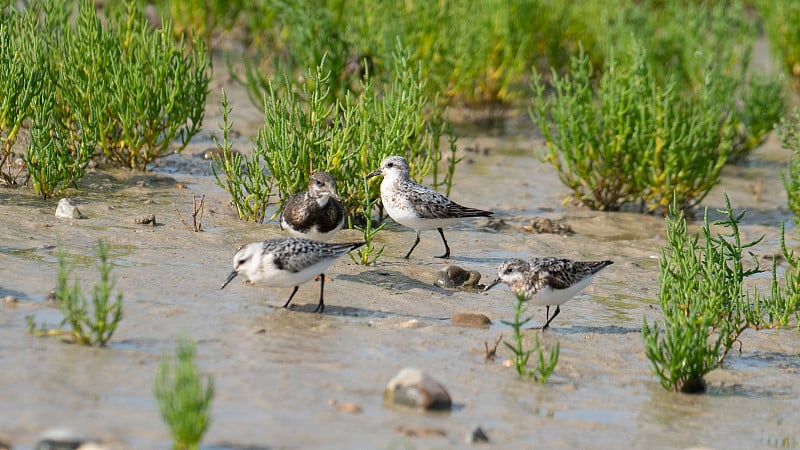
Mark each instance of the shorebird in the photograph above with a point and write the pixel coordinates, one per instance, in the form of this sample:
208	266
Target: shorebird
287	262
316	213
418	207
547	281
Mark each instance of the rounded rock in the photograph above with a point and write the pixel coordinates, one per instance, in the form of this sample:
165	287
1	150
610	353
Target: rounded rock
146	219
471	320
454	277
66	210
66	439
413	389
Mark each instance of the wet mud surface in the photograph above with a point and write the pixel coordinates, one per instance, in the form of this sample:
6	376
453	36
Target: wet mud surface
280	373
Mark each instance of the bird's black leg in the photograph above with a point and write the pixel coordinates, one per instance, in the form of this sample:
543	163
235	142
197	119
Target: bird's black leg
413	246
558	310
321	305
294	291
446	247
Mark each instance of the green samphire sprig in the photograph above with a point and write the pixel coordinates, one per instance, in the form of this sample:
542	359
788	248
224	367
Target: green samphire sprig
184	397
704	304
87	326
545	364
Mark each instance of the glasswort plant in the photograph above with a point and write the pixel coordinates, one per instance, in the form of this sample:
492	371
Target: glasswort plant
184	397
142	90
57	155
94	327
789	132
245	177
703	301
21	79
367	254
600	137
545	365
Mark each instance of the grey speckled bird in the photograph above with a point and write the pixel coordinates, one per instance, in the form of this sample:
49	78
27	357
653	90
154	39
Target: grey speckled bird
547	281
418	207
287	262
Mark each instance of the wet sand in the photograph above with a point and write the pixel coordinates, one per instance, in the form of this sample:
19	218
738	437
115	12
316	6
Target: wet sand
276	370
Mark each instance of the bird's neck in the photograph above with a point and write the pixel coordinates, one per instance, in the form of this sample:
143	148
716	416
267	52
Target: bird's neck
322	199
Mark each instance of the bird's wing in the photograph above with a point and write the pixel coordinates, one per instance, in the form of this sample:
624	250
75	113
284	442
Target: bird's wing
294	255
428	203
558	273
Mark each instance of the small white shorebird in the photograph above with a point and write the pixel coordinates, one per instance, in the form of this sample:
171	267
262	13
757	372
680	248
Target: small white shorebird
418	207
287	262
547	281
316	213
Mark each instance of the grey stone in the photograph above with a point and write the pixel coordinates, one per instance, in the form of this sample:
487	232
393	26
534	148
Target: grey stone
454	277
66	210
66	439
413	389
476	436
146	219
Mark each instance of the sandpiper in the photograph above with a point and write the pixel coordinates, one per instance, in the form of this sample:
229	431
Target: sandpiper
287	262
316	213
547	281
418	207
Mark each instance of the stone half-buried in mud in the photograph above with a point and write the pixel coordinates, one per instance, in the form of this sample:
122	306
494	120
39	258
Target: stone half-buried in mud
413	389
454	277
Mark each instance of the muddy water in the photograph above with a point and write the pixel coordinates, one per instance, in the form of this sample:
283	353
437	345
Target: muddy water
276	370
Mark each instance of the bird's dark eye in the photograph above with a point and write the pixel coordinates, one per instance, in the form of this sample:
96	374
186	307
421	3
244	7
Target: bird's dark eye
509	270
390	165
319	182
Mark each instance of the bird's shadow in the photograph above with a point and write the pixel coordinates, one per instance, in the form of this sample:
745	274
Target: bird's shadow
609	329
334	310
394	280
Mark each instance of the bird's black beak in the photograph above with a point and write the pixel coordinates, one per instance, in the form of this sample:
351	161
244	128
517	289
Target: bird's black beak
231	276
491	285
374	173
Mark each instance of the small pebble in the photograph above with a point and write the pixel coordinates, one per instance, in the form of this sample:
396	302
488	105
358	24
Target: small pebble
66	210
545	225
10	300
414	389
344	407
421	431
413	323
147	219
66	439
471	320
52	298
476	436
216	152
454	277
497	224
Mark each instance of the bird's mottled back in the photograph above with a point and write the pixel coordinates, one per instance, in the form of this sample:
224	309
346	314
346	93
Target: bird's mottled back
295	254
